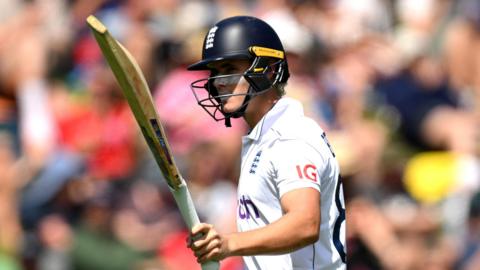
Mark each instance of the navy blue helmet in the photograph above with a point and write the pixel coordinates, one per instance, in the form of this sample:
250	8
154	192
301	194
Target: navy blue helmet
241	37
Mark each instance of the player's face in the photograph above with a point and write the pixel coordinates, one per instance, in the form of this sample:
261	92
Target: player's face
235	86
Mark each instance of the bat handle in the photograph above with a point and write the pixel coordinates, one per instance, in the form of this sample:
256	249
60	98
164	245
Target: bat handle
187	209
211	265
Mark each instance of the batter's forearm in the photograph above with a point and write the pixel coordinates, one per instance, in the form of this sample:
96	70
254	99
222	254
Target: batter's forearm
293	231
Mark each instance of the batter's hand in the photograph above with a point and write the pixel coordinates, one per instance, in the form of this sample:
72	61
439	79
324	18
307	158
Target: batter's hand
206	243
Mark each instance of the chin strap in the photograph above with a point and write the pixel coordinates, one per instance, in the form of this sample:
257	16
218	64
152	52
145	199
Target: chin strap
228	123
241	111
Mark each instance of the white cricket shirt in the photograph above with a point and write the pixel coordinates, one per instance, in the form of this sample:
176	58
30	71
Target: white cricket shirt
285	151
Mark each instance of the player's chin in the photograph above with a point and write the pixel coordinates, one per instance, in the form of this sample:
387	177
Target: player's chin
230	107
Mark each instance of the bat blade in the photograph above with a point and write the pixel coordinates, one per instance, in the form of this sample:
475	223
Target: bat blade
135	89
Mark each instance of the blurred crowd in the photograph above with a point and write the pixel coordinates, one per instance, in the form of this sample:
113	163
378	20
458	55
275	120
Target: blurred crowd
395	84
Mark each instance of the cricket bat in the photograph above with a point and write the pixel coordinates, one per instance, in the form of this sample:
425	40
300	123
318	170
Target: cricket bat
135	89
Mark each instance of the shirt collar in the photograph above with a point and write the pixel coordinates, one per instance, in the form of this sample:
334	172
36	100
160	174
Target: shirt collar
284	106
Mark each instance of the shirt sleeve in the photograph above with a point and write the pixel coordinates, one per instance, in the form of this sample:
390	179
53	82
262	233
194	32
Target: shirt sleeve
297	165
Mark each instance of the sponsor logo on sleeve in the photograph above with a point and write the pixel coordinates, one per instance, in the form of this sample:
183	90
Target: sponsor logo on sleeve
308	171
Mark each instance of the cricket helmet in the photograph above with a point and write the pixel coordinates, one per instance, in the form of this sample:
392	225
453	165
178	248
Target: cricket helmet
241	37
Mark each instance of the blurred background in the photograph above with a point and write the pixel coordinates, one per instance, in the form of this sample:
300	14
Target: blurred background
395	84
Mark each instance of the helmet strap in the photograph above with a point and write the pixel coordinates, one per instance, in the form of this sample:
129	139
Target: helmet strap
240	111
228	123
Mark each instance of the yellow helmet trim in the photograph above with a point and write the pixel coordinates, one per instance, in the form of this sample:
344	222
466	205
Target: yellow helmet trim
262	51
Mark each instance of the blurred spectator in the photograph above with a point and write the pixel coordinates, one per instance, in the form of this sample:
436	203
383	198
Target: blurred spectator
425	101
409	239
55	235
423	94
10	230
103	130
144	216
470	256
93	240
461	53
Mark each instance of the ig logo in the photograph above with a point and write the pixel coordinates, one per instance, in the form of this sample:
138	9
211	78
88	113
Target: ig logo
308	171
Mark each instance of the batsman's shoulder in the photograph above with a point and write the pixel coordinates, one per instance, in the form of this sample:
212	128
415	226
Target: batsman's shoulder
303	128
